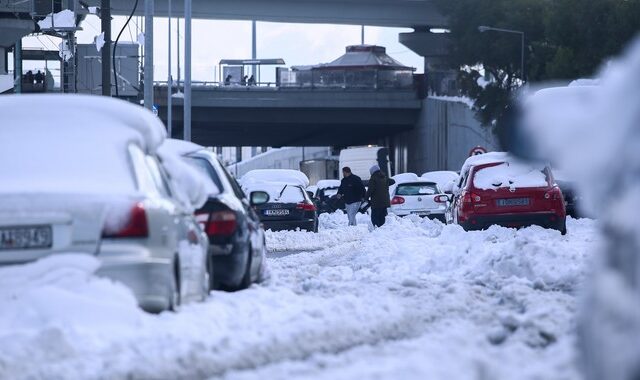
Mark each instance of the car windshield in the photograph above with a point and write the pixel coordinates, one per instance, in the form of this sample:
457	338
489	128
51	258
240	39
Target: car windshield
205	168
510	174
417	189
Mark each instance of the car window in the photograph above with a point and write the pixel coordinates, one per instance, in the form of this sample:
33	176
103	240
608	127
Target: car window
204	167
416	189
234	184
159	180
144	179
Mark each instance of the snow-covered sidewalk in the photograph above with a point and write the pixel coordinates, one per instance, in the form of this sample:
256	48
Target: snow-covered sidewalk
411	300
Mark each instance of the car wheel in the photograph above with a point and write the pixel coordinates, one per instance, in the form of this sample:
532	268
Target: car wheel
246	279
175	301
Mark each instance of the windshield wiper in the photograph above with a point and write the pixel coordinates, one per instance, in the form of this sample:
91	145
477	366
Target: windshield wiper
282	191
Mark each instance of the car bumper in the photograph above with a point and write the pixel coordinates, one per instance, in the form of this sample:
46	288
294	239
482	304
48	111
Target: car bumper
149	279
290	225
545	219
431	214
229	262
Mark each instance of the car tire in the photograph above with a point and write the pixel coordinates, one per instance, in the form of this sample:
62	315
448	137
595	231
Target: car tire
175	296
246	279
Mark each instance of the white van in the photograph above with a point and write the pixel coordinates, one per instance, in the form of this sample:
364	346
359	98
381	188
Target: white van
361	159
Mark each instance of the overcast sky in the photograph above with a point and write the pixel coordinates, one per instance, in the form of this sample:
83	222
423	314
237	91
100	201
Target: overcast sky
297	44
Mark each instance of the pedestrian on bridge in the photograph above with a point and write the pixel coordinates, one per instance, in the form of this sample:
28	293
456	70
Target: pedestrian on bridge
352	191
378	195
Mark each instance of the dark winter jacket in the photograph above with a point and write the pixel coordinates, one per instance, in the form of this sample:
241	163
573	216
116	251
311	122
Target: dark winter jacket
378	193
352	189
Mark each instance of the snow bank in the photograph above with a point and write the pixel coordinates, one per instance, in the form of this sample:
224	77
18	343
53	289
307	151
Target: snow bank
592	133
426	300
458	99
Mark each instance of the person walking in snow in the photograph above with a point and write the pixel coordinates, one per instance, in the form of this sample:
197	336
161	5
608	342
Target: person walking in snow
352	191
378	195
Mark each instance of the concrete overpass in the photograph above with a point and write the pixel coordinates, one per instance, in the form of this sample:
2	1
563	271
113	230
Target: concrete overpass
293	117
388	13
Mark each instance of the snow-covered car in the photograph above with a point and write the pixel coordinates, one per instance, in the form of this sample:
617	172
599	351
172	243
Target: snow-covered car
286	207
87	179
237	250
445	179
411	195
496	188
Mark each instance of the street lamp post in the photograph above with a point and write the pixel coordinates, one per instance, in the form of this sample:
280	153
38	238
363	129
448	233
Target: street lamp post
483	28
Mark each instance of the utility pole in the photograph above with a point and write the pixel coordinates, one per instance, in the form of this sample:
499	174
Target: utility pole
169	80
254	50
362	35
149	10
187	70
17	66
105	23
178	49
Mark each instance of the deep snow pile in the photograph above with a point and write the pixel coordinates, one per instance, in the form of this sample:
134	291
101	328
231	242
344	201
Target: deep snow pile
413	299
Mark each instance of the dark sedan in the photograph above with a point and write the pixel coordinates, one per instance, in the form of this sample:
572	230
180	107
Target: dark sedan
237	242
288	207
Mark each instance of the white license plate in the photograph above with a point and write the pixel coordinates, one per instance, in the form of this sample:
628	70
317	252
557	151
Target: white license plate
421	213
28	237
276	212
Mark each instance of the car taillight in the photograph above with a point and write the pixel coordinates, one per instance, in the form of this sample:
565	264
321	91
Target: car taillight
136	225
306	206
554	194
470	198
397	200
218	223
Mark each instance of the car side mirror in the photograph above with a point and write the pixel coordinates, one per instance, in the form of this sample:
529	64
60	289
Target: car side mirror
310	194
441	198
257	198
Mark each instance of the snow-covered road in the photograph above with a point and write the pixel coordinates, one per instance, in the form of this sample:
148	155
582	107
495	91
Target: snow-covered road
411	300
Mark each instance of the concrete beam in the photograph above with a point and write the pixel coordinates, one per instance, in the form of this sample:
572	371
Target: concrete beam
388	13
13	29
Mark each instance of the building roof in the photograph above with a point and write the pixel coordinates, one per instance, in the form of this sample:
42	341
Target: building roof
364	56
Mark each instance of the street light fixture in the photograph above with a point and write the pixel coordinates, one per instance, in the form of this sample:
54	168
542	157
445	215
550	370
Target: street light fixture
484	28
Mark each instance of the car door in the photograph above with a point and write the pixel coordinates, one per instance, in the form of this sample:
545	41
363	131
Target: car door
192	243
257	238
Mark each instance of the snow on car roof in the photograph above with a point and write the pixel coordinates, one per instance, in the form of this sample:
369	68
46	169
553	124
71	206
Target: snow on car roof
486	158
327	183
72	144
405	177
96	112
276	175
180	147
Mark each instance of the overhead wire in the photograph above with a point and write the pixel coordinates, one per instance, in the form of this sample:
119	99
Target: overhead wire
115	45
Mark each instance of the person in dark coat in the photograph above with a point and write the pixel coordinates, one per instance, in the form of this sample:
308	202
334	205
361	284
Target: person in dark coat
352	191
378	195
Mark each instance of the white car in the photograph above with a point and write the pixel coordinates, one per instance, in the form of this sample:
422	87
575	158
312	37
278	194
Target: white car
80	174
420	198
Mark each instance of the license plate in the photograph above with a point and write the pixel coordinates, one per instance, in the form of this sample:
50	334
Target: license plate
32	237
513	202
420	213
276	212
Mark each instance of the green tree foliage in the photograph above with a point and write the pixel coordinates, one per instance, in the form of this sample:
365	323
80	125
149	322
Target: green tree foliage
565	39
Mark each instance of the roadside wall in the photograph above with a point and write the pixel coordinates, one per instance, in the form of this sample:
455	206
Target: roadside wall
445	133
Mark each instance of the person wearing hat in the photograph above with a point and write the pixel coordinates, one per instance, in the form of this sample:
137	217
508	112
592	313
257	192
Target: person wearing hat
378	195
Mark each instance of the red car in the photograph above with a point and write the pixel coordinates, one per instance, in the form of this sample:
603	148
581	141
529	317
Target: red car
497	189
